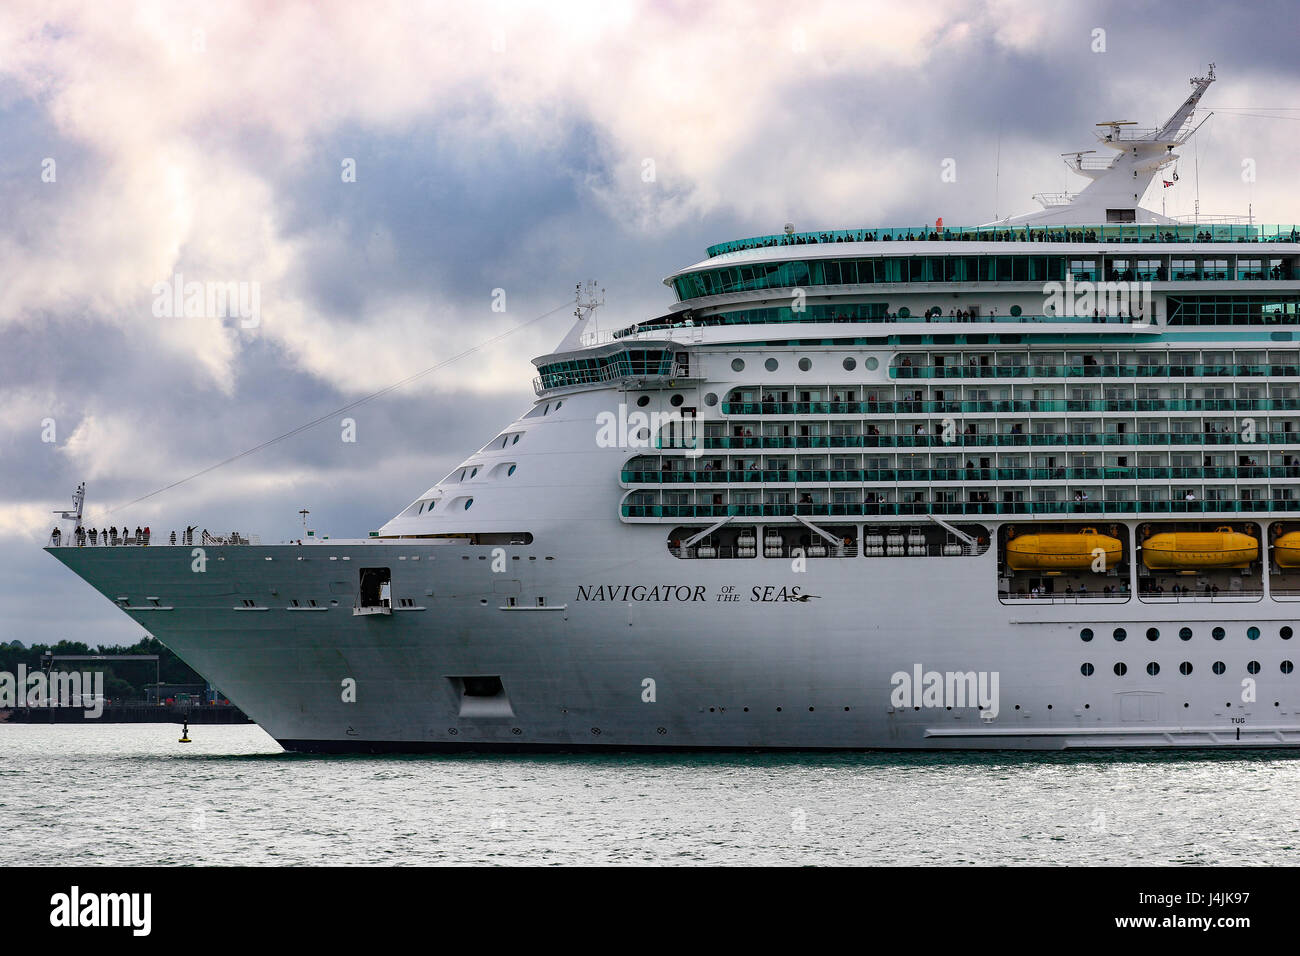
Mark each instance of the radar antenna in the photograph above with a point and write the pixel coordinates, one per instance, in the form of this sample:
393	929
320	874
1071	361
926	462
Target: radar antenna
1078	155
587	299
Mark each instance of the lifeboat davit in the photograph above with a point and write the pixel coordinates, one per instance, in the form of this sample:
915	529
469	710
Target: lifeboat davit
1062	551
1179	550
1286	550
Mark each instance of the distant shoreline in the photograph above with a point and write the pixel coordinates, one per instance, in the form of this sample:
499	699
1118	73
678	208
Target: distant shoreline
128	713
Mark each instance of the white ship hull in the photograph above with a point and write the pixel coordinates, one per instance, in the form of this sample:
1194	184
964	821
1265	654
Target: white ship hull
769	674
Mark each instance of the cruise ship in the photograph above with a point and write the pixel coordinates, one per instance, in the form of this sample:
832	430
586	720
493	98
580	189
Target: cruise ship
1024	485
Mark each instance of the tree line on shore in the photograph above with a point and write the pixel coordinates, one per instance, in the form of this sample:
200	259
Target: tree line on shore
123	681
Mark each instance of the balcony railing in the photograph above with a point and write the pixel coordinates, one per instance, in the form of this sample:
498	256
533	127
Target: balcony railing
897	509
1092	371
111	538
906	475
994	441
906	407
1111	233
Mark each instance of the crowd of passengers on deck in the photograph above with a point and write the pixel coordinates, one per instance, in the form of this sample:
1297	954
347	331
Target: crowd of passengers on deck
110	537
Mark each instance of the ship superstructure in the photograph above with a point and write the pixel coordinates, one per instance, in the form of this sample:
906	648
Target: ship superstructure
1024	485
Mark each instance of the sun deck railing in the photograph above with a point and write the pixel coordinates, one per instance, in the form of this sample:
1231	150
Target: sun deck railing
1111	233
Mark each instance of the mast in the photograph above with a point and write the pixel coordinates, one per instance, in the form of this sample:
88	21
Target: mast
1117	186
78	502
587	298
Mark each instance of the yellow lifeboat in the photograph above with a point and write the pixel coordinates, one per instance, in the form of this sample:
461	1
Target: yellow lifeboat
1286	550
1062	551
1178	550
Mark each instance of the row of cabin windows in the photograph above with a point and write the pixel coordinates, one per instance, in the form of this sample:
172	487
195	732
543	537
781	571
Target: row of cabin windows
876	270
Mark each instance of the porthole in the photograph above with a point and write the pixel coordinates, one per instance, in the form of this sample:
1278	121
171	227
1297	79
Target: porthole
1286	667
1153	634
1185	668
1121	669
557	405
1285	633
1153	668
850	364
1217	633
547	409
515	441
805	364
676	400
1252	633
1015	310
643	401
1219	667
904	313
473	473
1086	670
1120	634
1185	634
871	364
510	471
737	365
1252	667
771	365
711	399
1086	634
468	502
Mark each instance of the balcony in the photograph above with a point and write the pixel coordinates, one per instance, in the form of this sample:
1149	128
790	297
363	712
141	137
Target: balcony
921	509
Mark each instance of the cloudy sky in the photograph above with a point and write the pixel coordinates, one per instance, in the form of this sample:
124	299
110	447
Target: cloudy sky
520	147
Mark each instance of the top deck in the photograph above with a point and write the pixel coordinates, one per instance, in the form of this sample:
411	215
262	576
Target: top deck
1111	233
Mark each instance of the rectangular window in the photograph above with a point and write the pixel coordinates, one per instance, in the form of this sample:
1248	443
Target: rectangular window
1084	270
1149	270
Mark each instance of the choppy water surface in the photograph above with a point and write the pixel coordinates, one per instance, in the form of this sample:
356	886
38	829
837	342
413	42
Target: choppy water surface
130	794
